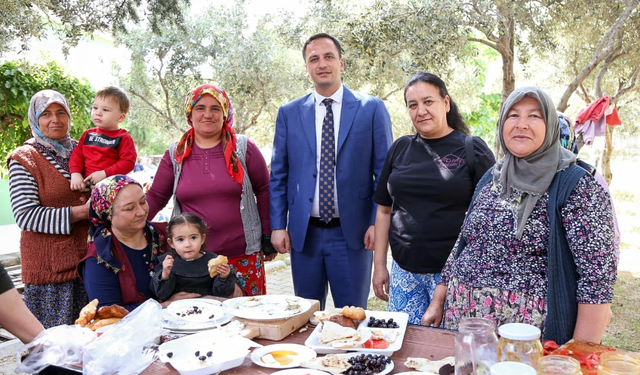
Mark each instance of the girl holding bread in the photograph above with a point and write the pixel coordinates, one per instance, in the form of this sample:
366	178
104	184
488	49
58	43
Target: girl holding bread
189	268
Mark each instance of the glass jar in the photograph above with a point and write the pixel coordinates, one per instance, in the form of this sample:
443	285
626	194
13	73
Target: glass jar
613	363
558	365
519	343
476	346
512	368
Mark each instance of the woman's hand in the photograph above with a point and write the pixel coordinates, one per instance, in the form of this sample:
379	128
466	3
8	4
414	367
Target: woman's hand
268	258
435	311
167	265
381	283
223	270
79	213
179	296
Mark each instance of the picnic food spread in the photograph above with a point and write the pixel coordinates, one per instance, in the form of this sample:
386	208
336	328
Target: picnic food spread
349	341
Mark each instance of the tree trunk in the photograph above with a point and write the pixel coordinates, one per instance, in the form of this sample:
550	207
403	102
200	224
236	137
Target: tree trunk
507	51
605	171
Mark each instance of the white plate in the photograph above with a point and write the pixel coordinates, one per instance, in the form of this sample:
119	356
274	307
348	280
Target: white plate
386	370
300	371
176	323
304	354
313	341
269	307
206	311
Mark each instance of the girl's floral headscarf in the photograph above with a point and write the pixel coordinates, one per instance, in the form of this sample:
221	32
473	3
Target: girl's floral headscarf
567	135
59	149
100	213
228	134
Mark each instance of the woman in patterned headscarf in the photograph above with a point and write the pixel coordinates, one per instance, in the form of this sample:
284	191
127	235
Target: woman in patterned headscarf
52	217
536	245
123	245
223	178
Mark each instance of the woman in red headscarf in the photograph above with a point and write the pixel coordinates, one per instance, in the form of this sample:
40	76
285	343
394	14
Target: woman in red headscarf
223	178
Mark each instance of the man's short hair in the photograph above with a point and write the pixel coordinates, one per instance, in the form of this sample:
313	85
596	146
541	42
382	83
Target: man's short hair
320	36
115	93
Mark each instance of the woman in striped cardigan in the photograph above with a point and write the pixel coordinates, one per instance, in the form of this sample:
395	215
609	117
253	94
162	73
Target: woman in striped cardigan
52	217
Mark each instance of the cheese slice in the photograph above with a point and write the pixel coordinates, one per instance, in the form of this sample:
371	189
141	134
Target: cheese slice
427	365
334	332
333	363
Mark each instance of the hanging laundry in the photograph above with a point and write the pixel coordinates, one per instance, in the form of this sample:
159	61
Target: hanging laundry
591	120
612	116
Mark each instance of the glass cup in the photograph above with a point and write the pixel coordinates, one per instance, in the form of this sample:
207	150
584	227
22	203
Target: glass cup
476	347
614	363
558	365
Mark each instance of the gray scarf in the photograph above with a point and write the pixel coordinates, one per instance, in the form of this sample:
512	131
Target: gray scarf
531	176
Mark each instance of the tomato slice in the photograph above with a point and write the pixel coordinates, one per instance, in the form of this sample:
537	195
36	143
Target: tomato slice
376	344
550	345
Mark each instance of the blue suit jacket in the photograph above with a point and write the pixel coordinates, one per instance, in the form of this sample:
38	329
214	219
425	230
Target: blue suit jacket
363	141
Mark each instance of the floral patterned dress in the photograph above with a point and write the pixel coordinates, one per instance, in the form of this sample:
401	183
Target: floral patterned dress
499	277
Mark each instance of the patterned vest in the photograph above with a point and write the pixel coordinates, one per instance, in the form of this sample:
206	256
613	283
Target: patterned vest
50	258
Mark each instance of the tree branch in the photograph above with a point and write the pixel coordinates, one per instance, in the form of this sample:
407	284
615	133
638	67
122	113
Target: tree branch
486	42
602	51
629	86
155	109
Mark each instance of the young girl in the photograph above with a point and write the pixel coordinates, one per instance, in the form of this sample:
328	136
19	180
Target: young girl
185	269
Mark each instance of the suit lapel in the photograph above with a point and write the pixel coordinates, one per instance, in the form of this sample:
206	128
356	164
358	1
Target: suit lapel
350	106
308	121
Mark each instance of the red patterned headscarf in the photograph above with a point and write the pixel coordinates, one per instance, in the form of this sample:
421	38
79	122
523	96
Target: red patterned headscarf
228	134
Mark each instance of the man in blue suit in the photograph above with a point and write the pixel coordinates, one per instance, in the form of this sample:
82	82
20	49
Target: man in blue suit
328	152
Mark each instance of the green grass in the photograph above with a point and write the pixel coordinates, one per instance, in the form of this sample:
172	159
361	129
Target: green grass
376	304
624	329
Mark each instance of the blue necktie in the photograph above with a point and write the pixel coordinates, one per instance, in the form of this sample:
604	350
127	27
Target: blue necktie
327	163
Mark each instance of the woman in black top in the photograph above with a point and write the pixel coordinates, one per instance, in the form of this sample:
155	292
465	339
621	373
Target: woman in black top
424	189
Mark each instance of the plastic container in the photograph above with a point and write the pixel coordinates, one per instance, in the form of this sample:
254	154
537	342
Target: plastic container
558	365
476	347
217	351
519	343
612	363
512	368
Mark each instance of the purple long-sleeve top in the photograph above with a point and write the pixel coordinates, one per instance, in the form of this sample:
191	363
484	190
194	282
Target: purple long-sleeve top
207	190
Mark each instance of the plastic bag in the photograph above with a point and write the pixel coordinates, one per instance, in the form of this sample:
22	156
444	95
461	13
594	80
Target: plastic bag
126	348
57	346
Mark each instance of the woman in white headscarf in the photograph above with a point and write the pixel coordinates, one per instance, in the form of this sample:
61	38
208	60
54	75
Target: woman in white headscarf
53	218
536	245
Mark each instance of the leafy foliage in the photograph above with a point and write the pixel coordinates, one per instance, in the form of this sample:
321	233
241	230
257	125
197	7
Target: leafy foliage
255	68
72	19
19	80
483	120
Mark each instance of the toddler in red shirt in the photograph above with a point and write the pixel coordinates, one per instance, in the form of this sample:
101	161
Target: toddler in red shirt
105	150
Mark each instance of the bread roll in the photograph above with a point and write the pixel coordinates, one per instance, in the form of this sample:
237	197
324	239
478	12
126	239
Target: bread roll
113	311
355	313
104	322
214	263
87	313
